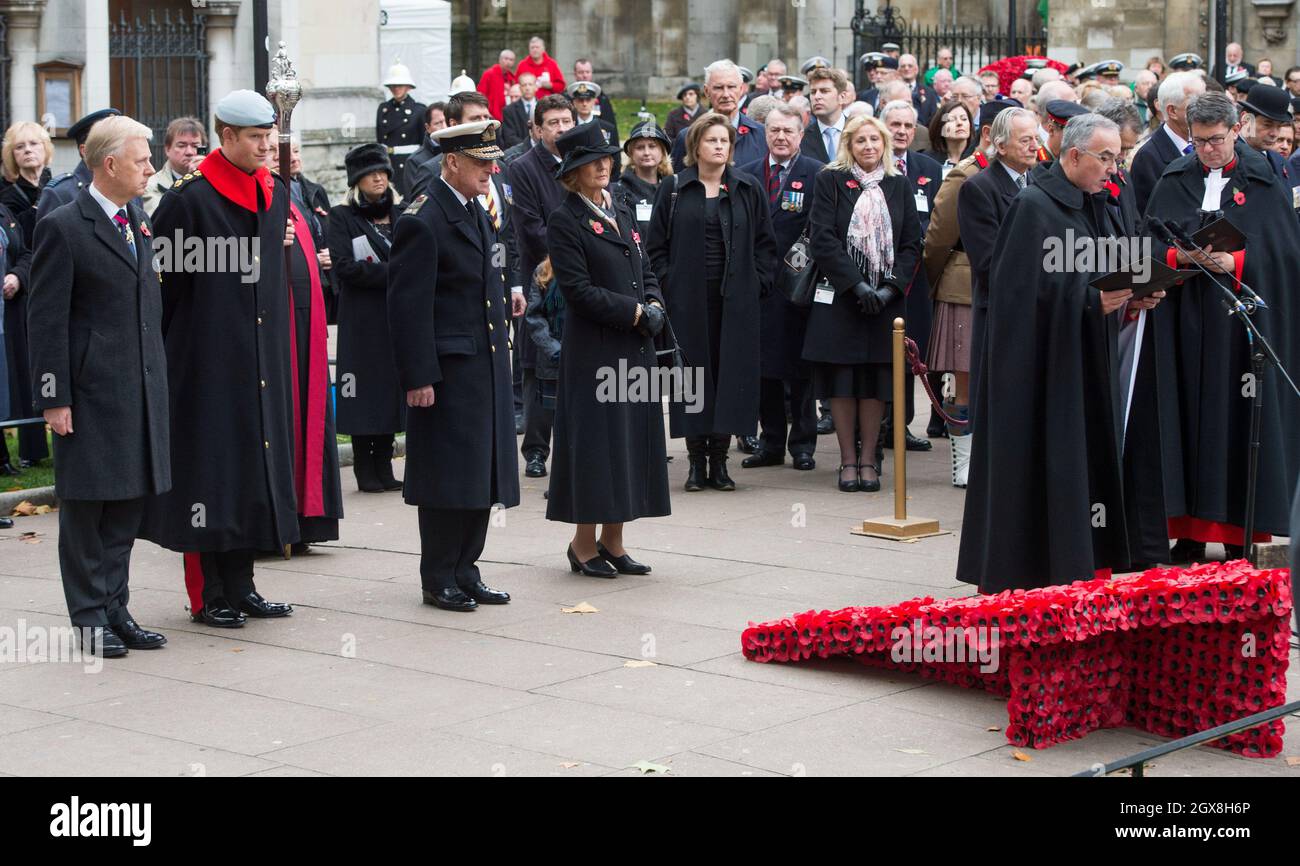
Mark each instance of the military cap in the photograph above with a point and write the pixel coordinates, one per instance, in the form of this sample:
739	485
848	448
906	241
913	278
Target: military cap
81	129
815	62
1107	67
793	82
477	139
583	90
891	46
994	107
245	108
690	85
1059	111
876	60
1186	61
746	74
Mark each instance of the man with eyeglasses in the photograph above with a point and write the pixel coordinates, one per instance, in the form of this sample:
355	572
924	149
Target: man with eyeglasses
1216	380
1169	141
1292	80
1051	352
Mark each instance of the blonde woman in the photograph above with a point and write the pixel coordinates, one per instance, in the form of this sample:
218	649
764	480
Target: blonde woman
647	148
26	153
866	239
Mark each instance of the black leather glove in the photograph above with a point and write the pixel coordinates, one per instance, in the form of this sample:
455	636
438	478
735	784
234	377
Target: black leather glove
862	291
877	299
652	320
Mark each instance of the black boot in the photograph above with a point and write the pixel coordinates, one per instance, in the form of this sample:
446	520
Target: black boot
383	454
363	465
718	477
695	472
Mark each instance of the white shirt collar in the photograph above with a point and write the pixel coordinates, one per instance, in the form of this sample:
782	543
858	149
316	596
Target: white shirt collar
460	198
1179	142
837	125
773	162
1015	175
110	209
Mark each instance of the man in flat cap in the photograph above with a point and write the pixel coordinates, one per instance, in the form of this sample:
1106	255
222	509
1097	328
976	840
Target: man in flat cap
226	326
584	95
64	188
449	315
399	122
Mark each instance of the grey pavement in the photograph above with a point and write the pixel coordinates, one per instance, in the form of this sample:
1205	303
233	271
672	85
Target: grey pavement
363	679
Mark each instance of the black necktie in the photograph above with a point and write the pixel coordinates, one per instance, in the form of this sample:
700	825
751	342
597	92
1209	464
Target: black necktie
472	208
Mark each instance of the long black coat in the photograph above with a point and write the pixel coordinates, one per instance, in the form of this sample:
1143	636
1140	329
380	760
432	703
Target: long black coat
535	194
676	248
839	333
371	402
450	320
1149	163
784	324
925	175
630	191
228	372
95	322
609	461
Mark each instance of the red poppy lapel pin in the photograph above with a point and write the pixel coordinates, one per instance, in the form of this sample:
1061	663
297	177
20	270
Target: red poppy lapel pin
1239	197
922	180
144	229
597	227
723	187
636	237
796	184
851	184
743	130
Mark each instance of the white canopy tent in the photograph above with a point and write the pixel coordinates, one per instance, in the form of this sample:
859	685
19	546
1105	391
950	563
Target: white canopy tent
417	33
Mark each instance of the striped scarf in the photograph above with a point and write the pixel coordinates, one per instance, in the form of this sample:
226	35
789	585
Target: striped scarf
871	232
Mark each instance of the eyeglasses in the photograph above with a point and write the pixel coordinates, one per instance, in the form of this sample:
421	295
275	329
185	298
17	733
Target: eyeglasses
1214	140
1105	157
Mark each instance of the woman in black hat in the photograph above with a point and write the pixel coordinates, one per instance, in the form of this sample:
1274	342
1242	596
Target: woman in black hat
714	253
609	463
371	402
648	147
681	116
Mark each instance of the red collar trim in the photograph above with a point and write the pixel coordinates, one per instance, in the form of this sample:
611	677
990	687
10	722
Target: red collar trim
236	184
1205	169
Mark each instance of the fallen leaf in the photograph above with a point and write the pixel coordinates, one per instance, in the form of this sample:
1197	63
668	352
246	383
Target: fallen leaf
1020	756
43	509
993	728
569	765
23	509
30	538
646	767
912	751
1292	761
581	607
634	663
237	650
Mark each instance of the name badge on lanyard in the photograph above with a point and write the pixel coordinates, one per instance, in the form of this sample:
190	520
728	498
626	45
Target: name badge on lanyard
824	296
922	203
643	209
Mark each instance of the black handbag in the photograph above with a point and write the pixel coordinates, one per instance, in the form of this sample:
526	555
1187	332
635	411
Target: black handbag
668	352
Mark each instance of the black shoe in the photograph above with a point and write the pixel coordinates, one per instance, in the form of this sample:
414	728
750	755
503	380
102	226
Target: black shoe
868	486
1185	551
137	638
384	468
451	598
6	523
302	548
625	564
536	467
937	429
594	567
695	475
914	443
762	458
256	606
718	477
363	466
825	425
519	423
804	462
1234	551
219	614
101	641
747	444
484	594
853	485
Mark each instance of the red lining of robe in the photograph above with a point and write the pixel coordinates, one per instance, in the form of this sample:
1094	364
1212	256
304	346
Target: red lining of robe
309	459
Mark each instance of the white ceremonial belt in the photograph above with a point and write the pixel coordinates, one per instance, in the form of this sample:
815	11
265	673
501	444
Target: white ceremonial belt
404	149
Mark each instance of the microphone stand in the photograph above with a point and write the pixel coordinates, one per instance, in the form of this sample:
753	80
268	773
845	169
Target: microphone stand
1261	353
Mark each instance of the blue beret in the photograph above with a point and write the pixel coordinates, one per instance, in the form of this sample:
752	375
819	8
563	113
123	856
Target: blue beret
245	108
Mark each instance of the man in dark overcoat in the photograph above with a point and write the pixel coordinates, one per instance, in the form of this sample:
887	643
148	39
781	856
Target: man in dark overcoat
449	314
99	372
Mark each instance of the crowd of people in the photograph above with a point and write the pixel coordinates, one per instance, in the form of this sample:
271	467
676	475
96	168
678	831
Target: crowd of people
497	253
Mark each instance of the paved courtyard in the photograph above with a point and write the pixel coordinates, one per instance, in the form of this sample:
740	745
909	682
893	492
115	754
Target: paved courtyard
365	680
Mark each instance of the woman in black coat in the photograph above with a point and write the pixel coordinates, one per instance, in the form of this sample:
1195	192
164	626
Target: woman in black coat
866	239
714	253
609	463
371	402
16	257
647	147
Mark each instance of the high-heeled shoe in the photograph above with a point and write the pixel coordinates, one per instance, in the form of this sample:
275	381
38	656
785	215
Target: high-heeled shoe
625	564
868	486
594	567
854	484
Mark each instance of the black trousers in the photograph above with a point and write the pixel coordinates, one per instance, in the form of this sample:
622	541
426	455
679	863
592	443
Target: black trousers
802	430
95	541
517	365
537	420
451	541
227	575
714	445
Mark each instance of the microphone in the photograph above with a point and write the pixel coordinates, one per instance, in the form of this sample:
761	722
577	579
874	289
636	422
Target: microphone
1168	233
1184	240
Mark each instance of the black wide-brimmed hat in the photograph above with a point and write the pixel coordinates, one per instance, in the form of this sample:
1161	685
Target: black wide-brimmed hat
648	129
583	144
364	159
1271	102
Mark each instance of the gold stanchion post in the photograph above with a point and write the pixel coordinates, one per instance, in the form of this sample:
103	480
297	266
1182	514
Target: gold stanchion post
900	527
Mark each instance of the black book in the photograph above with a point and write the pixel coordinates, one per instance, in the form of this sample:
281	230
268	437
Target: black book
1159	277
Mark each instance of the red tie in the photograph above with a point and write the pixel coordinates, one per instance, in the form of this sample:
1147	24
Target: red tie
774	183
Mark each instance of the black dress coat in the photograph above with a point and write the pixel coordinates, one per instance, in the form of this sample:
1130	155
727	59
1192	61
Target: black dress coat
783	324
1149	163
514	124
95	322
676	248
371	402
925	176
839	333
630	191
535	194
450	320
400	124
608	461
18	219
677	120
228	370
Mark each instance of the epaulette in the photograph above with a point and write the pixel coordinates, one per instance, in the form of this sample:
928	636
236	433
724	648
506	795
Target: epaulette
60	179
414	207
187	178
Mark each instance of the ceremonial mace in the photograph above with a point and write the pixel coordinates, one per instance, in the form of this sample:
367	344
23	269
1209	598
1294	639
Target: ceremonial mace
284	91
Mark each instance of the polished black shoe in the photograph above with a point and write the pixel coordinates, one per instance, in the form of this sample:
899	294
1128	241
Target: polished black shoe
762	458
625	564
6	523
718	477
451	598
868	485
363	467
484	594
594	567
696	475
101	641
1185	550
804	462
137	638
853	485
747	444
914	443
536	467
825	425
256	606
219	614
937	429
